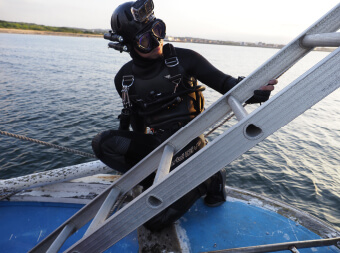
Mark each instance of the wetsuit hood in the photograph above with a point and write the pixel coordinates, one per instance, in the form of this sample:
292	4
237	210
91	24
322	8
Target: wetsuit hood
145	67
139	60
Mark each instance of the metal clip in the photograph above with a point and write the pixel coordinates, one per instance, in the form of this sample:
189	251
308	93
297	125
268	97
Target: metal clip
127	79
126	84
171	62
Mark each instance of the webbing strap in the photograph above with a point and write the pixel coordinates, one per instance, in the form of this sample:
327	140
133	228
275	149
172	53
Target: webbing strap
172	62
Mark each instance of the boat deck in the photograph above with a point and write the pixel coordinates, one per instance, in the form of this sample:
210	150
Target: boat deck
246	219
239	224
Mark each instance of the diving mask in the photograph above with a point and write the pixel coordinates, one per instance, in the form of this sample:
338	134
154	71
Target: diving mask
150	39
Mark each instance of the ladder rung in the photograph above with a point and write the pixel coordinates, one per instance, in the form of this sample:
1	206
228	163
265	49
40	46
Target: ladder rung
282	246
237	108
321	40
104	211
293	249
62	237
165	163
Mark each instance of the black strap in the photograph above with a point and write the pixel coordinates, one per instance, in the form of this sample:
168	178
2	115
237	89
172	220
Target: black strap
172	62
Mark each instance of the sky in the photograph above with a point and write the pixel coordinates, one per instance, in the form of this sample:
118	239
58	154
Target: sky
269	21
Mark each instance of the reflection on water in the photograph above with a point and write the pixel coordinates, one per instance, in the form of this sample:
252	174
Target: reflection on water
61	90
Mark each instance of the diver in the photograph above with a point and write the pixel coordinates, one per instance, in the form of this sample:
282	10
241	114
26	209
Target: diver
160	94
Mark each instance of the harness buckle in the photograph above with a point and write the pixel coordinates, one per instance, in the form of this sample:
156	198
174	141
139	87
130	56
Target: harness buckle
171	62
128	79
126	84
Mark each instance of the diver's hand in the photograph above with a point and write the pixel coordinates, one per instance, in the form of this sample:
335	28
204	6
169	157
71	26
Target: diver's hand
263	94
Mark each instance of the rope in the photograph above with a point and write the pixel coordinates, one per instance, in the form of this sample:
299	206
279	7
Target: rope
21	137
221	124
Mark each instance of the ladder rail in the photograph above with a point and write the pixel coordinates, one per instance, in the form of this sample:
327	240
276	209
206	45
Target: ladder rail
271	69
282	246
320	81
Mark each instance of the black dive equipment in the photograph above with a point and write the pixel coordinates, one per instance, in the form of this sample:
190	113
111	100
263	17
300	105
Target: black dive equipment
170	98
119	47
113	37
124	119
116	38
125	116
142	9
134	24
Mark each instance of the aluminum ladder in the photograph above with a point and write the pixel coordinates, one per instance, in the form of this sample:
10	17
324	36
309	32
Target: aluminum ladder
292	246
251	129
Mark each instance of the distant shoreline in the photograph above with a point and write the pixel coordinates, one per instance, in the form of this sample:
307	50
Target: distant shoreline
37	32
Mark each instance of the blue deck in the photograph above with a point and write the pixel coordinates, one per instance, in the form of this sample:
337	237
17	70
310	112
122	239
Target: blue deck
234	224
238	224
25	224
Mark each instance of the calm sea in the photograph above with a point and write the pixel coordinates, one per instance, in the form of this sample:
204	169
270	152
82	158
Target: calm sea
61	90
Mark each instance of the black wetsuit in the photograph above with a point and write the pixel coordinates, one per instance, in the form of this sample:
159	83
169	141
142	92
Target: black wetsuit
194	64
121	150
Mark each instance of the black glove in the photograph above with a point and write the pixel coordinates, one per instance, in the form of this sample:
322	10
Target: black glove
260	96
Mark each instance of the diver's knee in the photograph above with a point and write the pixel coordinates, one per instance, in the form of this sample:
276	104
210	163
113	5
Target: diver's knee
98	140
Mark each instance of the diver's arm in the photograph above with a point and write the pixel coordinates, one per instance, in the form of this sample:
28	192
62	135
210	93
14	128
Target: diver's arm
205	72
199	67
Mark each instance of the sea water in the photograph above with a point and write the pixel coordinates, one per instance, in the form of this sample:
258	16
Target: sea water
61	90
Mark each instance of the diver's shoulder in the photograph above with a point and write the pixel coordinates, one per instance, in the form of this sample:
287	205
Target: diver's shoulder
181	50
126	66
126	69
187	53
